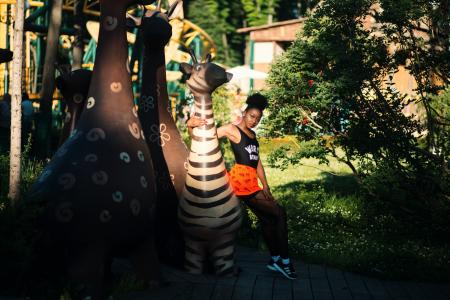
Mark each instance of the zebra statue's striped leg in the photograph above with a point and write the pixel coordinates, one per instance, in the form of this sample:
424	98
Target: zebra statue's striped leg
195	255
222	255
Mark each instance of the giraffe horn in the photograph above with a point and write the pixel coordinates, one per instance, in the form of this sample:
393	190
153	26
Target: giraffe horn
194	58
172	8
158	7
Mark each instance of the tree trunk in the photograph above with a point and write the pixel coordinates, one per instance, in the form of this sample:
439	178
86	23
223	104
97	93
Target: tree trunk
48	81
78	45
16	100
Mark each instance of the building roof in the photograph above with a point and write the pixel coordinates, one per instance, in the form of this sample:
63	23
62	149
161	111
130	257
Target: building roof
284	31
267	26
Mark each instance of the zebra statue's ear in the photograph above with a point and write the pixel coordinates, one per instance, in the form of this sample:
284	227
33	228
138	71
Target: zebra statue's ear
133	22
186	69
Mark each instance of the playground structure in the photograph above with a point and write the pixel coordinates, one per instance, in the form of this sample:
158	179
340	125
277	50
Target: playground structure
185	35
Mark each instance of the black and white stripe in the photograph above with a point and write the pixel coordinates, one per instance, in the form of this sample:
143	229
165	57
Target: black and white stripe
209	212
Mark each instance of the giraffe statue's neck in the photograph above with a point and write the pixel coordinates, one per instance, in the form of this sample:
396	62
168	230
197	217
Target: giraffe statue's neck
110	90
154	82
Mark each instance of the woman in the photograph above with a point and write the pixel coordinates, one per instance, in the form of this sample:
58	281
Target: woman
244	179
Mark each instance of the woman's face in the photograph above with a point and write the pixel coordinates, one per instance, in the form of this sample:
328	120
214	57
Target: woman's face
251	117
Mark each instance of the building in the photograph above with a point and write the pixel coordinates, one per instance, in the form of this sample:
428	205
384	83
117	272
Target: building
266	42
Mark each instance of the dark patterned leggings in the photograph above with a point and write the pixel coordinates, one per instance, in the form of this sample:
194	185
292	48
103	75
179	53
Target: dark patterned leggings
272	217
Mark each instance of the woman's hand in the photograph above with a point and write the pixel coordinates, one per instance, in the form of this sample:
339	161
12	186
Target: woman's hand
267	193
196	122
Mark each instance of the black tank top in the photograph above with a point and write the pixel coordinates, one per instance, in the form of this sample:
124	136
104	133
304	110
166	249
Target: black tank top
246	152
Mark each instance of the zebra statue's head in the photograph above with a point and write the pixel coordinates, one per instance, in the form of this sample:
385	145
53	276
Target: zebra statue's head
204	77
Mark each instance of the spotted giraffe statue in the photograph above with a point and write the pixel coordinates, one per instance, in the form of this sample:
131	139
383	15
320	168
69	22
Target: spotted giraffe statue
98	190
168	151
74	87
209	212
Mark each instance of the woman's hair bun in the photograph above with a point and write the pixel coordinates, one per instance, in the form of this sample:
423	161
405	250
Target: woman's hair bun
257	100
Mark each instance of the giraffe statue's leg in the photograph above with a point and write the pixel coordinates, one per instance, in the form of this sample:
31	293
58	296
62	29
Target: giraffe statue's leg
146	264
195	256
86	267
222	255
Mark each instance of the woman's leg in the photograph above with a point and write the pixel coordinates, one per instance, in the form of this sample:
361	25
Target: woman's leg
273	222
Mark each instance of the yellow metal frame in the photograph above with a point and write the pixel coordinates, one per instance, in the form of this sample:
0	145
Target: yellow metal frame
32	3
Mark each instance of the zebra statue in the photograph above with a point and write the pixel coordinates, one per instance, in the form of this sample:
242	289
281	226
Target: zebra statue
209	213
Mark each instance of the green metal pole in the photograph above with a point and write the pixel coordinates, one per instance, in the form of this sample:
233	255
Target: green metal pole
40	45
197	47
252	58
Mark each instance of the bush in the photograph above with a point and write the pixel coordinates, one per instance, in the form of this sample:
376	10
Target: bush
17	227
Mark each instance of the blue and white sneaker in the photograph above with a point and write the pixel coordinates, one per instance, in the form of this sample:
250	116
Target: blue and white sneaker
287	270
271	265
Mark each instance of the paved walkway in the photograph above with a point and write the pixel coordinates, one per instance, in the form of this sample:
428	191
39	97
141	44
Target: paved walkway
315	282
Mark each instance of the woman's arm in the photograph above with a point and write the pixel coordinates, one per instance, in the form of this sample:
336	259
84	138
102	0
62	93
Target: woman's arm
230	131
262	177
227	130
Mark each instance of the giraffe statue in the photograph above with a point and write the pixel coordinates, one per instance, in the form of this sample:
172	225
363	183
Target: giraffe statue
98	193
209	212
167	149
74	87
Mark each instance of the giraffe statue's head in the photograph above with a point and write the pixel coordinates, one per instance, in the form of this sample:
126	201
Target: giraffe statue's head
127	3
74	85
155	26
204	77
5	55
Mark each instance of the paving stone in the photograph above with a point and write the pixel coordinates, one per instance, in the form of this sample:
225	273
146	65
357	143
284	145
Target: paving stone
282	289
395	290
375	287
302	269
263	289
359	296
320	285
223	289
414	291
334	274
302	289
340	289
243	289
356	284
317	271
201	291
434	291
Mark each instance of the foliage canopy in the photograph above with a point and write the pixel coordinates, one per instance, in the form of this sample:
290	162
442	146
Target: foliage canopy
335	90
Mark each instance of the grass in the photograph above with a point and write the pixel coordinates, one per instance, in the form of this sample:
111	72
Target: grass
331	221
16	227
